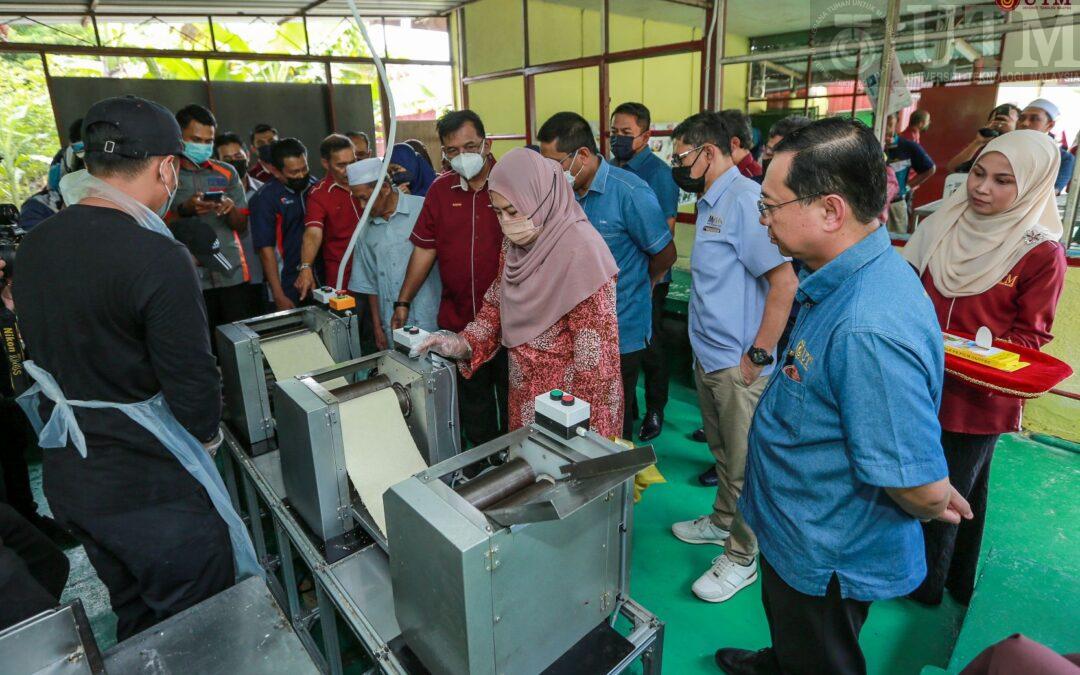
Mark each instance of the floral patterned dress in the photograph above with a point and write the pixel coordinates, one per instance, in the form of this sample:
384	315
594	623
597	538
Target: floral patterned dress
578	354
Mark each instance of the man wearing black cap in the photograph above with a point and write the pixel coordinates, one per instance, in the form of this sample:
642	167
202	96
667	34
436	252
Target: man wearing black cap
111	309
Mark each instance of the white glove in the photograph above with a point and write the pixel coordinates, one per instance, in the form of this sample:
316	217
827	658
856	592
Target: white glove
212	446
448	344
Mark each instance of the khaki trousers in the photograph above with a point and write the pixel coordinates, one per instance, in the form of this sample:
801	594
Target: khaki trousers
727	407
898	217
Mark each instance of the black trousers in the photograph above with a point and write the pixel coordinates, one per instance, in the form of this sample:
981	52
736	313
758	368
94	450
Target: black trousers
156	560
654	364
15	435
229	304
630	366
482	401
810	634
33	571
952	551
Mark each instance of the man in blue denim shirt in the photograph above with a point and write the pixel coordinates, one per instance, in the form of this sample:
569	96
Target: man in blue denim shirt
623	208
630	133
845	454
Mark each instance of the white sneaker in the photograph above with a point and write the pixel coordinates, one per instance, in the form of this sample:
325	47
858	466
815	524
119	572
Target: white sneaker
724	579
700	531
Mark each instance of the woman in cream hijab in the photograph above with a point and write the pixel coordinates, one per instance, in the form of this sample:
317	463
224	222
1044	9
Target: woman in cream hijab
988	257
552	305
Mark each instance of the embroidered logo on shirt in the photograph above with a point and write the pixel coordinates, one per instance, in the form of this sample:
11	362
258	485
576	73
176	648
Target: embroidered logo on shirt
803	355
455	203
1009	280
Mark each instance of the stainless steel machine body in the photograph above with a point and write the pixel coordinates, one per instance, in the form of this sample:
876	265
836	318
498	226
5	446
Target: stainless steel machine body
512	586
310	435
247	379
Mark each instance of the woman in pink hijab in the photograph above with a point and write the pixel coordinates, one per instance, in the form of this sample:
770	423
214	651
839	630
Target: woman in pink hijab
552	305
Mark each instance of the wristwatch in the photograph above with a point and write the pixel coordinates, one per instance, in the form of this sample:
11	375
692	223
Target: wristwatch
759	357
402	303
303	266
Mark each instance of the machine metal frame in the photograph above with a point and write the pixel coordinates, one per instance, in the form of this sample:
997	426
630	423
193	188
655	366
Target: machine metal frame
355	590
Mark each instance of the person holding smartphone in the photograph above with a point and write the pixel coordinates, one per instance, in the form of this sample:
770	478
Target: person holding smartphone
211	192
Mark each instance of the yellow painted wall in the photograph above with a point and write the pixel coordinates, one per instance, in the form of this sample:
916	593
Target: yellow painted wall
574	90
669	86
1052	414
501	104
733	94
493	36
561	31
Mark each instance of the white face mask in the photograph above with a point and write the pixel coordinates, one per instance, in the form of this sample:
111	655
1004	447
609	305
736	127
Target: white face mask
570	175
171	193
468	164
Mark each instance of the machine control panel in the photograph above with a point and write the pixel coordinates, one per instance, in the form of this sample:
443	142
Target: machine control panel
407	337
323	294
562	412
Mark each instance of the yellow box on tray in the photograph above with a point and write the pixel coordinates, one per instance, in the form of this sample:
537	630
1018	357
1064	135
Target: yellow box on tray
994	357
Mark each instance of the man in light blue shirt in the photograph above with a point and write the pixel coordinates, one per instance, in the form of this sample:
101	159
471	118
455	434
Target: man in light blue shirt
740	298
383	250
623	208
845	453
630	133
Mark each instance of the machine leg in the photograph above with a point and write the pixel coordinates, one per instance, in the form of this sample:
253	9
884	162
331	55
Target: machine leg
257	534
653	658
229	471
289	571
329	630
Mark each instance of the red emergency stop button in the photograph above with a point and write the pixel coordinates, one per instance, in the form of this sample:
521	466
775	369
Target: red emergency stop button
567	400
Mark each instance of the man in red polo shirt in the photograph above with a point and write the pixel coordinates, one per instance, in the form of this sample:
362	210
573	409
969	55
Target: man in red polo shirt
458	228
741	143
331	217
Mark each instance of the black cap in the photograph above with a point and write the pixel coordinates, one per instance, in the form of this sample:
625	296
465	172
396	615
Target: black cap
147	129
203	243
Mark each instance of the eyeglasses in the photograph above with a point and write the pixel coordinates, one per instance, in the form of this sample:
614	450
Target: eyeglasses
764	208
676	160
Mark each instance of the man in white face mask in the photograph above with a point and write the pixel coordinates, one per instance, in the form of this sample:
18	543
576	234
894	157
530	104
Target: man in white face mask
458	228
111	311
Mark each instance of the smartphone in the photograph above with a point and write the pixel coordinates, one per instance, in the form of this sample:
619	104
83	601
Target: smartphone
213	196
987	132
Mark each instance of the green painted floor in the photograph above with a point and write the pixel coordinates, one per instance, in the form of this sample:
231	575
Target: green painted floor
1030	531
1033	510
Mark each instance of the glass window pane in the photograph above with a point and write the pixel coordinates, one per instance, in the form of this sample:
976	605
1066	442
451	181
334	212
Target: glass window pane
337	36
51	30
266	71
154	33
146	67
569	90
263	35
493	36
562	30
425	38
421	92
363	73
27	127
634	24
500	104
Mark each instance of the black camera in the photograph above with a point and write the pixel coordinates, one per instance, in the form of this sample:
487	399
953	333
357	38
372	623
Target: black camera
987	132
10	236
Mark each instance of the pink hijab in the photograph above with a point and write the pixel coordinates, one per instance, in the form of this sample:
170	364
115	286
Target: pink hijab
566	264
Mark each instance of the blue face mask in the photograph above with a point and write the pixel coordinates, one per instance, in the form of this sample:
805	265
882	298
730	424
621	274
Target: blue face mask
622	147
198	152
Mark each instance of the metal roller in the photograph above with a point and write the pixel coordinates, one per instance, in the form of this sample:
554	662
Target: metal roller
370	386
498	484
525	495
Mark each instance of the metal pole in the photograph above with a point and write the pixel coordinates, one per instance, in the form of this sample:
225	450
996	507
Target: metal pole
97	35
719	47
1069	220
52	100
213	37
855	84
331	112
888	50
209	90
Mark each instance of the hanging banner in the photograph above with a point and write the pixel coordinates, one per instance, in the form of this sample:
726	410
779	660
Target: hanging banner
899	95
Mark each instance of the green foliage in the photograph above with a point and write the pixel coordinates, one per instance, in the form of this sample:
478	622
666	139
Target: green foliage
27	131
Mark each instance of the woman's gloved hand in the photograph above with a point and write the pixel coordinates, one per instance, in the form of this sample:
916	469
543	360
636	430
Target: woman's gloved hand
445	343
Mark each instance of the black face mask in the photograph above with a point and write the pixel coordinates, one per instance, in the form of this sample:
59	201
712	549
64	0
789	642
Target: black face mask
299	184
681	176
241	166
264	153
